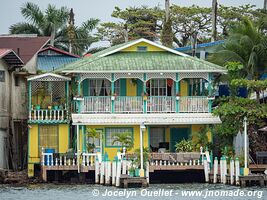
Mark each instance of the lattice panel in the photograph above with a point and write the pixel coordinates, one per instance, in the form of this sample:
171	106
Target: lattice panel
165	75
129	75
49	79
184	75
50	91
96	76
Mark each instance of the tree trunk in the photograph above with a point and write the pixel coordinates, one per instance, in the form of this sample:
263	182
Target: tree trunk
214	20
53	35
167	10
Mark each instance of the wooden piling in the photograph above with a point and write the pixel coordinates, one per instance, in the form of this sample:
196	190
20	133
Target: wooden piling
206	170
215	170
221	170
232	171
96	170
114	166
237	171
118	173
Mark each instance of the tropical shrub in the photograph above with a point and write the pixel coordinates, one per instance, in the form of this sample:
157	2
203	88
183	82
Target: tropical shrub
184	146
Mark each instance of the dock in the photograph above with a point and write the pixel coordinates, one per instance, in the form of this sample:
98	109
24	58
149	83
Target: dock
126	180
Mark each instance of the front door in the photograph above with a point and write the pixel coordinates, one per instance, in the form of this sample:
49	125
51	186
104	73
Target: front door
177	135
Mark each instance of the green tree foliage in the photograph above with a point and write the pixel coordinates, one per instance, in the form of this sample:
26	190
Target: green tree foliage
246	44
124	139
232	112
52	22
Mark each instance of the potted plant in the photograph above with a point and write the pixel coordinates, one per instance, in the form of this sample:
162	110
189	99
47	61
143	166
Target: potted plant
144	94
177	96
113	96
137	159
184	146
131	171
55	105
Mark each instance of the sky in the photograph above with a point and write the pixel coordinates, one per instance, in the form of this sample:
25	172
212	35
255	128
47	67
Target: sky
102	9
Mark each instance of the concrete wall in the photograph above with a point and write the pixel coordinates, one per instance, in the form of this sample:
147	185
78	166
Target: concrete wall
3	149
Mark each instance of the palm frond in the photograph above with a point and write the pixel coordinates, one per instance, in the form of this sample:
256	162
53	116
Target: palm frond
24	28
33	13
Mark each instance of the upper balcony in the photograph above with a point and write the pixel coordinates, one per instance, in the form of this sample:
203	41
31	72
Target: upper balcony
145	104
159	94
48	99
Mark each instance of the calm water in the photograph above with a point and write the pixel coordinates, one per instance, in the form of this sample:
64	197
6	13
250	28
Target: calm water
158	191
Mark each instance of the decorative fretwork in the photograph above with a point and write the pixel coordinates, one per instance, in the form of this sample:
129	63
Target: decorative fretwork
129	75
184	75
165	75
49	77
95	76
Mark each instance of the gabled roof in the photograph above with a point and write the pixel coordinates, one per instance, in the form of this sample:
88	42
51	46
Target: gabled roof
60	51
119	59
51	58
48	77
25	46
10	57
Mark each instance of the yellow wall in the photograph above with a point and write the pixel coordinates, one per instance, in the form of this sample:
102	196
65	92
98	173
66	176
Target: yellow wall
131	88
112	151
33	144
63	140
149	47
184	88
63	134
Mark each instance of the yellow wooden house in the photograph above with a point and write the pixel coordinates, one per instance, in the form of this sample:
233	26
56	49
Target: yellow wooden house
156	94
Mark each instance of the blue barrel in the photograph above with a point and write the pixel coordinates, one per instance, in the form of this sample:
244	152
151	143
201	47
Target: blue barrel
46	157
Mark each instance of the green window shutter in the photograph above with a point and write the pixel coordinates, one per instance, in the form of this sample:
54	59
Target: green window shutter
139	87
123	87
85	86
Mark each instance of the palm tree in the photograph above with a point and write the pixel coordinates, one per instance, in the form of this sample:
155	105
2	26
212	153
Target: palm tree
124	139
53	23
246	44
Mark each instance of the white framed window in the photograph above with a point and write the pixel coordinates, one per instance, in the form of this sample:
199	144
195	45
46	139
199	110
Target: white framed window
110	132
157	135
96	141
102	87
158	87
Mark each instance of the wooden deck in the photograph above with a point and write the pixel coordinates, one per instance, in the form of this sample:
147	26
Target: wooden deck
125	180
260	180
258	167
153	168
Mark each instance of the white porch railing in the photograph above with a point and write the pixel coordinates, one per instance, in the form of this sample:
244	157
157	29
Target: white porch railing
52	159
161	104
194	104
155	104
48	114
96	105
129	104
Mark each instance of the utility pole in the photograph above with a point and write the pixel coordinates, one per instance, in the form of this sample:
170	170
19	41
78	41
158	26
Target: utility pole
71	32
166	33
214	20
265	5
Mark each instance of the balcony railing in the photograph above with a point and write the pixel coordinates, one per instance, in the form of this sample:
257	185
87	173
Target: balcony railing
194	104
160	104
154	104
96	105
48	114
128	104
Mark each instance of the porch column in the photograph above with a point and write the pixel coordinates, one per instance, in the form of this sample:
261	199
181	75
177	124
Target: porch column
67	96
142	129
30	98
144	91
209	88
78	146
112	94
79	94
177	93
84	138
